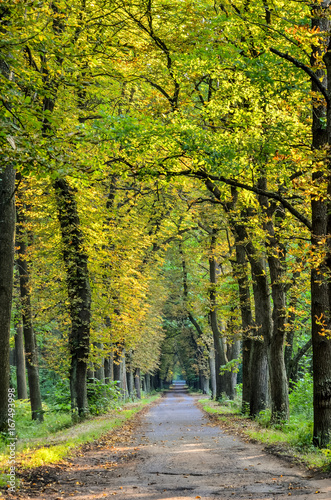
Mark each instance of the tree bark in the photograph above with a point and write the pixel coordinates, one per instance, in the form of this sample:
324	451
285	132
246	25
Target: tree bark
321	225
220	357
22	392
263	323
117	370
109	369
137	382
233	352
123	375
321	230
212	372
204	383
276	340
259	360
75	260
148	383
99	369
31	352
290	325
129	374
119	373
7	231
246	322
130	381
259	376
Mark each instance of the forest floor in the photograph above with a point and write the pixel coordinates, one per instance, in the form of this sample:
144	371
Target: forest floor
172	450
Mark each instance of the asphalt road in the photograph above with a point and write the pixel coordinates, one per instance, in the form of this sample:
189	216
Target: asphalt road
175	452
182	455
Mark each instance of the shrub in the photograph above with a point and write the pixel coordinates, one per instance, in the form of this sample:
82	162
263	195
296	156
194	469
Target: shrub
101	397
301	397
58	398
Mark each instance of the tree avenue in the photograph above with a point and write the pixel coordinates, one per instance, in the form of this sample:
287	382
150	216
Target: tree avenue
172	193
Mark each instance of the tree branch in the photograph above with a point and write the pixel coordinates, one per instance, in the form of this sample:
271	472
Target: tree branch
200	174
306	69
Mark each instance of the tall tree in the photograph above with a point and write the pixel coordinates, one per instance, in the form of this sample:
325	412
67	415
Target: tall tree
7	231
79	293
31	350
22	392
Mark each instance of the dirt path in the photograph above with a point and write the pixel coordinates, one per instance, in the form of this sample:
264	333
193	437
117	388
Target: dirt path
174	453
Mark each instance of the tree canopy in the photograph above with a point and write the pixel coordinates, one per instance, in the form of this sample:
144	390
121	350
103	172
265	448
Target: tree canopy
172	195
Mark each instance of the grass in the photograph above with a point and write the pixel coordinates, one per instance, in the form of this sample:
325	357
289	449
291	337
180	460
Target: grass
56	438
290	439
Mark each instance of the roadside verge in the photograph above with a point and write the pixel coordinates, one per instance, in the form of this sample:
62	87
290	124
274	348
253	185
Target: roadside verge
275	441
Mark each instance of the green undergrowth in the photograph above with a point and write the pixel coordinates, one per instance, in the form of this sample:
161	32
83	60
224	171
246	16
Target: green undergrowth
290	439
55	438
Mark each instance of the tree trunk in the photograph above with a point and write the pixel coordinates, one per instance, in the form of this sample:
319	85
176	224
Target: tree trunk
130	382
259	360
117	371
220	357
219	361
276	260
99	369
137	382
157	380
199	380
75	260
290	325
90	375
321	230
22	392
233	352
263	323
246	322
100	372
129	374
123	375
7	231
119	368
31	352
278	381
212	372
109	369
259	378
259	375
148	383
204	384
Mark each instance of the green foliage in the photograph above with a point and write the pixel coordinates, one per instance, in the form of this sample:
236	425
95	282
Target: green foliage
54	439
29	430
264	417
209	98
301	397
293	437
102	397
58	398
231	366
303	429
12	379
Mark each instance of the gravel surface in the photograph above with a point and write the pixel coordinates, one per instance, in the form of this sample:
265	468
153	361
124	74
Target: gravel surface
175	452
